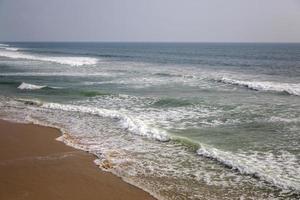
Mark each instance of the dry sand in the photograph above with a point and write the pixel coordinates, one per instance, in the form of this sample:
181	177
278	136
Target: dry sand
34	166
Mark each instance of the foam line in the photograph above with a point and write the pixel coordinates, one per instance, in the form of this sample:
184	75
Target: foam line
73	61
289	88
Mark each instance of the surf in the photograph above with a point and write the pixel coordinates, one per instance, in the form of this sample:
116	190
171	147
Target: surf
132	124
288	88
244	164
251	165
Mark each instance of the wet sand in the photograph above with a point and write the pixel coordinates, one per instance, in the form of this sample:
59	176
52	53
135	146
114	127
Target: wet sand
34	166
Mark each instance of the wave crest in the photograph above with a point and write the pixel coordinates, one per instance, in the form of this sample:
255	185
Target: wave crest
27	86
11	49
4	45
73	61
265	169
289	88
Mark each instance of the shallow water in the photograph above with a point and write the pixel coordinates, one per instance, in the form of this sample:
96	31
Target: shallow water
219	120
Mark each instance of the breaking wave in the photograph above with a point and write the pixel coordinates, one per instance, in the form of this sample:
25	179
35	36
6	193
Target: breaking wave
73	61
4	45
289	88
132	124
267	168
28	86
8	48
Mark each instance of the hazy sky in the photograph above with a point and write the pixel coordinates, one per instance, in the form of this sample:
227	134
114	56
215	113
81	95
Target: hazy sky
150	20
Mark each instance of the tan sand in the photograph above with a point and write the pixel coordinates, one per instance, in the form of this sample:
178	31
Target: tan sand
34	166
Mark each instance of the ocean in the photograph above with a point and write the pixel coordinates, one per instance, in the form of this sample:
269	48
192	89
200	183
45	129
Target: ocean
179	120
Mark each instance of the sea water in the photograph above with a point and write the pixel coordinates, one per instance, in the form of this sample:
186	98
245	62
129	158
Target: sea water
179	120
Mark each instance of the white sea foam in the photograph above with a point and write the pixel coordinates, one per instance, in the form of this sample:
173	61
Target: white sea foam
285	120
4	45
265	166
130	123
11	49
8	48
293	89
73	61
27	86
117	151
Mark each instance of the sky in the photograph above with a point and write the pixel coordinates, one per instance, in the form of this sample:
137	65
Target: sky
150	20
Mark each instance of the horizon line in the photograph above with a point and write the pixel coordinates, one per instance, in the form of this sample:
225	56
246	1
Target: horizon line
115	41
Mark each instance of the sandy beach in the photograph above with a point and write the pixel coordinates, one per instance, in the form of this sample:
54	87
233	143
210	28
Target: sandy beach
33	165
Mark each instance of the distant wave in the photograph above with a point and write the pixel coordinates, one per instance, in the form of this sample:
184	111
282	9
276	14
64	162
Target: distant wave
11	48
289	88
7	47
4	45
73	61
27	86
77	53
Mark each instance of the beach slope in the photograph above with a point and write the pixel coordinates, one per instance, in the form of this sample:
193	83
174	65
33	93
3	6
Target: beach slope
33	165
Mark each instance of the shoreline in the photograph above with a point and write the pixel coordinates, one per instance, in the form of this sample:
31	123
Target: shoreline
33	165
